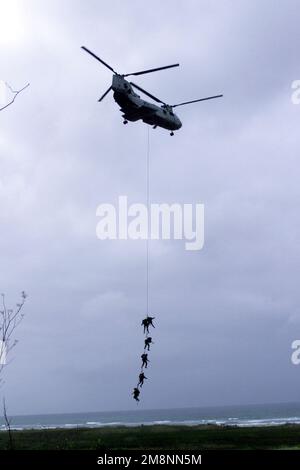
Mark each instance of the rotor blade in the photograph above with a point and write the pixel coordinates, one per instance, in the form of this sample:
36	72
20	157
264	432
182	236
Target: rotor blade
98	58
104	95
152	70
195	101
148	94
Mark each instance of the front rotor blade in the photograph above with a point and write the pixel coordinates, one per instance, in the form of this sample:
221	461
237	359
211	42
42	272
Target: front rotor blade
152	70
98	58
104	95
146	93
195	101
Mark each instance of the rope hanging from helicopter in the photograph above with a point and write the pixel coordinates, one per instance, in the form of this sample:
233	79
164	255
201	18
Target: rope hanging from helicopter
148	320
148	211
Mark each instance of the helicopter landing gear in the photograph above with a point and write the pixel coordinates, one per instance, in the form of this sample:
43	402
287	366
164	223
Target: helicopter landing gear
172	133
125	122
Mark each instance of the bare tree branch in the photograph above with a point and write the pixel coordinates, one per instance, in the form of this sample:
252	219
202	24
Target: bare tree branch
9	320
7	422
15	93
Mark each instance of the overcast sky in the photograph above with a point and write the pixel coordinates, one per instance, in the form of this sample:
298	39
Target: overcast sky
225	316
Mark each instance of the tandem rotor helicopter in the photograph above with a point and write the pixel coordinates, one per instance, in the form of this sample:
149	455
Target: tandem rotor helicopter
135	108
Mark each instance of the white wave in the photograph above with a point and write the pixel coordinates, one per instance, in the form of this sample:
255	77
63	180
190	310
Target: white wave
161	422
228	421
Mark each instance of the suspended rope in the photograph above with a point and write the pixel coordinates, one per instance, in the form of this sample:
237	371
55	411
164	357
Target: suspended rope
148	211
148	321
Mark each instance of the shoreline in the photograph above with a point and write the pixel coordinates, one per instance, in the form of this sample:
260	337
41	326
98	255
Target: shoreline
184	424
67	427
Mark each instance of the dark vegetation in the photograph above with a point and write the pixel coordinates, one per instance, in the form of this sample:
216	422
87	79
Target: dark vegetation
207	437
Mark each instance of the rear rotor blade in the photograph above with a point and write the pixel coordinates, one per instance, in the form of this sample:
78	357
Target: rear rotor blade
151	70
195	101
104	95
146	93
98	58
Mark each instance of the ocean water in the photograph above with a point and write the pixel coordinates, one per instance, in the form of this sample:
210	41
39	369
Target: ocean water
252	415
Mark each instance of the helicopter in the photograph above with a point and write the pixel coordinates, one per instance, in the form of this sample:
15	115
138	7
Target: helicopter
134	107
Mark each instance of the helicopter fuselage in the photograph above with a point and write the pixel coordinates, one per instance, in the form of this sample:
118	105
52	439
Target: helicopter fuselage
135	108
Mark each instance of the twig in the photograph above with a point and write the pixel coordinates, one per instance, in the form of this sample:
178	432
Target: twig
7	426
9	320
15	92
